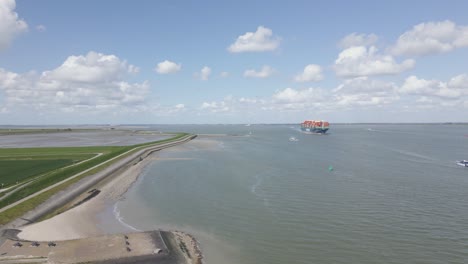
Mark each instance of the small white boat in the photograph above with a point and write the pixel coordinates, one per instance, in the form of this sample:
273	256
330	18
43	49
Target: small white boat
293	139
463	163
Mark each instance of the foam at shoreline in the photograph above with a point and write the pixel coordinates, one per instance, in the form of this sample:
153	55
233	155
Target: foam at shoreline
119	218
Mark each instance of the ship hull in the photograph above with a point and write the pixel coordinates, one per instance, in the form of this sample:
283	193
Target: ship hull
315	130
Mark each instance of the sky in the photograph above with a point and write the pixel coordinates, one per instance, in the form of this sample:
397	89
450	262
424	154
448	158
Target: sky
210	62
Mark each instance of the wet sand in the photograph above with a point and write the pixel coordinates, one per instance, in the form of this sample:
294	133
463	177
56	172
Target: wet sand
82	225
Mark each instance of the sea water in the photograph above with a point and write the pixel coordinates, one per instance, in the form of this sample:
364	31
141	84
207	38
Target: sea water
394	195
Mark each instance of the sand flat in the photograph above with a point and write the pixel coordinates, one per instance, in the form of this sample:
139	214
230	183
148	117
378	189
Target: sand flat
79	139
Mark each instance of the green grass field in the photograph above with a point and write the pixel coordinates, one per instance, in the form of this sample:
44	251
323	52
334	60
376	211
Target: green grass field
21	164
14	171
52	168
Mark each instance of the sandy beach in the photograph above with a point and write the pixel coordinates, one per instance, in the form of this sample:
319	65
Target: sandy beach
82	221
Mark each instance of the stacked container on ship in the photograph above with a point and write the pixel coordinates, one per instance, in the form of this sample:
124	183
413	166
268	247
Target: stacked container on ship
314	126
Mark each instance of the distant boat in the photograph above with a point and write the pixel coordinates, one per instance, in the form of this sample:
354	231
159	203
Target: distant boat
247	125
463	163
293	139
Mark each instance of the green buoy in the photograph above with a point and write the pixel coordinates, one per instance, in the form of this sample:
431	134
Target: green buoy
330	168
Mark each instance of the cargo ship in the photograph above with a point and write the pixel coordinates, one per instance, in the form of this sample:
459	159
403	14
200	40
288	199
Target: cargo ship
314	126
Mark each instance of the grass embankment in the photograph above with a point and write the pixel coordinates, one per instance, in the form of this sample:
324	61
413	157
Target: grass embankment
22	164
61	174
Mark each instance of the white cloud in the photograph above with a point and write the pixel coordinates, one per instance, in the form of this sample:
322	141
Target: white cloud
355	39
455	88
265	72
10	24
363	91
94	82
365	85
430	38
245	100
311	73
170	110
224	74
230	105
41	28
92	68
133	69
166	67
460	81
215	107
362	61
205	73
290	95
414	85
261	40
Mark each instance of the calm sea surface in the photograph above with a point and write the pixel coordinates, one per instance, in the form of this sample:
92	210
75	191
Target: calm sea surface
395	194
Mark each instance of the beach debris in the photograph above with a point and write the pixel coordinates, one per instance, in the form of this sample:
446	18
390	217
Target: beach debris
127	243
128	249
17	244
126	237
330	168
158	251
52	244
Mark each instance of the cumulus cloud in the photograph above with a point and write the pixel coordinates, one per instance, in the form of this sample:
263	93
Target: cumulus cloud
353	94
230	104
204	73
91	68
311	73
290	95
93	82
365	85
362	61
355	39
10	24
459	82
215	107
265	72
430	38
455	88
363	91
166	67
260	40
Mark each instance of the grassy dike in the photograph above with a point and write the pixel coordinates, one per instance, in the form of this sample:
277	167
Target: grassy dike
60	175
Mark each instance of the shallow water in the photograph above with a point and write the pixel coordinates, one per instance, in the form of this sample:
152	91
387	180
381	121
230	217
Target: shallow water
78	139
395	194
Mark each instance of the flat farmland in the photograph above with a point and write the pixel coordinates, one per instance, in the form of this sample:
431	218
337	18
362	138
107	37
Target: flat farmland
20	164
38	168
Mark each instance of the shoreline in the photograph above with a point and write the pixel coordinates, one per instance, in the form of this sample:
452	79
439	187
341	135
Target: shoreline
81	221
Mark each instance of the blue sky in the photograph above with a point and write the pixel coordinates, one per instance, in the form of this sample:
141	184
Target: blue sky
72	62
